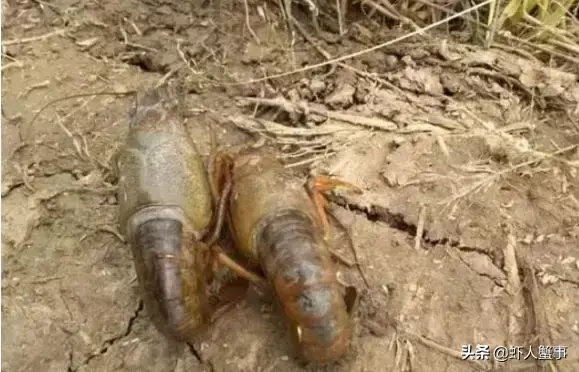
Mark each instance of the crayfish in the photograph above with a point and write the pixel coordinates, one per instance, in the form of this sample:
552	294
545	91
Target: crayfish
167	214
280	225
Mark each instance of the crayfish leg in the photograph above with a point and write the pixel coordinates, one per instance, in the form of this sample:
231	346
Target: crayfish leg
220	182
220	168
220	215
225	260
318	187
221	165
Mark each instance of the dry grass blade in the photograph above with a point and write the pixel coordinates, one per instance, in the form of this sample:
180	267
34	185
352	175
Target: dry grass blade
487	180
248	24
420	228
445	350
546	19
303	108
314	144
256	125
517	306
33	38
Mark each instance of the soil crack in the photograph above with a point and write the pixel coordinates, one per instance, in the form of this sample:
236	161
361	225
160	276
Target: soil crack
195	353
70	359
397	221
375	213
7	189
111	341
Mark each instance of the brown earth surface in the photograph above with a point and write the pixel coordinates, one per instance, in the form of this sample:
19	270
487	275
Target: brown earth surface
474	151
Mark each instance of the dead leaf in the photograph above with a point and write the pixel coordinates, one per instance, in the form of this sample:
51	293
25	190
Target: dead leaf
88	42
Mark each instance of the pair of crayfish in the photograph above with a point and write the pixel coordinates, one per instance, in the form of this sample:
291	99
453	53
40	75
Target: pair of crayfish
172	211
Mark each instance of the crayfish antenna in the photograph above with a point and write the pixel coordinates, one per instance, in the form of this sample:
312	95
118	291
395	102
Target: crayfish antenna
318	187
214	165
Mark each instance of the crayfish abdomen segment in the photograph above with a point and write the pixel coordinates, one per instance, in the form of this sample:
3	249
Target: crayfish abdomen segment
169	277
297	263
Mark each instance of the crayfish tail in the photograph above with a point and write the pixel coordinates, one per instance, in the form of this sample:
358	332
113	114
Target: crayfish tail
299	266
166	274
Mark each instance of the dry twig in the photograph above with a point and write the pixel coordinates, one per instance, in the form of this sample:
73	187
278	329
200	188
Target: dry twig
248	24
318	48
420	228
517	306
33	38
303	108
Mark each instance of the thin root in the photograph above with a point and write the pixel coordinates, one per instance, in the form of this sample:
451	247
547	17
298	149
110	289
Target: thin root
445	350
320	50
343	259
248	25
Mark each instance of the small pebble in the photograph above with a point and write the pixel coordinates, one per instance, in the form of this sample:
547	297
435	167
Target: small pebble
549	279
408	61
391	61
317	86
293	95
342	97
386	290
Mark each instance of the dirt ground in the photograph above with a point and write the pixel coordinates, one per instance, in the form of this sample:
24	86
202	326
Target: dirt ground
474	151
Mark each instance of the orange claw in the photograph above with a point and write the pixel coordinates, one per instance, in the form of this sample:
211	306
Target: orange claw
327	183
318	186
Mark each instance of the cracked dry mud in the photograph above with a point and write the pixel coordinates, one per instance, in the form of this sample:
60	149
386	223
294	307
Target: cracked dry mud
70	300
